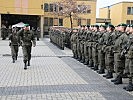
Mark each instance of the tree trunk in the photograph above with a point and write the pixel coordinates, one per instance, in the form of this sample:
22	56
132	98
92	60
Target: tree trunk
71	21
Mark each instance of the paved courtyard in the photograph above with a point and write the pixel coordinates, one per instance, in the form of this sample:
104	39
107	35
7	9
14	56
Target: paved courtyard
53	75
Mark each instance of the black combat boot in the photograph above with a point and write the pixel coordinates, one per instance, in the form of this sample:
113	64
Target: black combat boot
91	64
16	57
13	60
129	87
86	62
106	74
82	61
25	65
28	62
118	81
95	67
110	75
125	75
101	71
114	80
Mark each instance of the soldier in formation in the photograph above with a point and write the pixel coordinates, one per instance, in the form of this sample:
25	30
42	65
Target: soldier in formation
106	49
60	36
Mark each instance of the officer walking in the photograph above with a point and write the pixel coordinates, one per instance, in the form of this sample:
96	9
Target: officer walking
27	38
14	44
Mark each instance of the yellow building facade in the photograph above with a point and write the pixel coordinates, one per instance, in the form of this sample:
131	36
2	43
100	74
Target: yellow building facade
121	12
33	11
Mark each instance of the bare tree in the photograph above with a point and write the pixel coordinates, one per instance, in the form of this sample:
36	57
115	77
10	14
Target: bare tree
69	8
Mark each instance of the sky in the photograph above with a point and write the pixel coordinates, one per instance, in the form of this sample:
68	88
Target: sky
105	3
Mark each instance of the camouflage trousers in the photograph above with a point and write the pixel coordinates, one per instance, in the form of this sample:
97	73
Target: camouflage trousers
95	56
101	59
109	61
126	70
74	50
14	51
119	63
26	52
90	54
86	52
82	50
78	50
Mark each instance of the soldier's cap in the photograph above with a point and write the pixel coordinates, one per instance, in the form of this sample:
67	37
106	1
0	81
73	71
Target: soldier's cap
131	25
122	24
26	25
104	26
88	26
92	25
128	25
82	25
96	26
110	25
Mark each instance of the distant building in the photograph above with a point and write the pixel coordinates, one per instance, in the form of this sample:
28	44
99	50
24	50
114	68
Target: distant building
36	13
121	12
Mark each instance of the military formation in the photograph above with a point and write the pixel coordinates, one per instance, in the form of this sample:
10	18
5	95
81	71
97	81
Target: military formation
60	36
106	49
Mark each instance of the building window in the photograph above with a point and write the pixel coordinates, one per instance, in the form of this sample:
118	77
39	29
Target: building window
46	21
75	24
51	8
88	21
130	10
60	8
83	21
60	22
55	21
129	22
50	21
56	8
79	22
46	7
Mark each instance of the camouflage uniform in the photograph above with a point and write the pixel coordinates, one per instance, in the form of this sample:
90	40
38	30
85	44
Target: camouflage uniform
74	44
86	47
95	49
78	45
101	54
26	37
129	51
14	45
119	59
3	32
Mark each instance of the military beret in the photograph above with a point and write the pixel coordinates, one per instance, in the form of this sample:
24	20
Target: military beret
128	25
110	25
104	26
96	26
26	25
83	25
122	24
131	25
88	26
92	25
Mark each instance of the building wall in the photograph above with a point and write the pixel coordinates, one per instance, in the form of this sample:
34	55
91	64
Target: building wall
28	7
35	7
118	13
103	12
125	16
